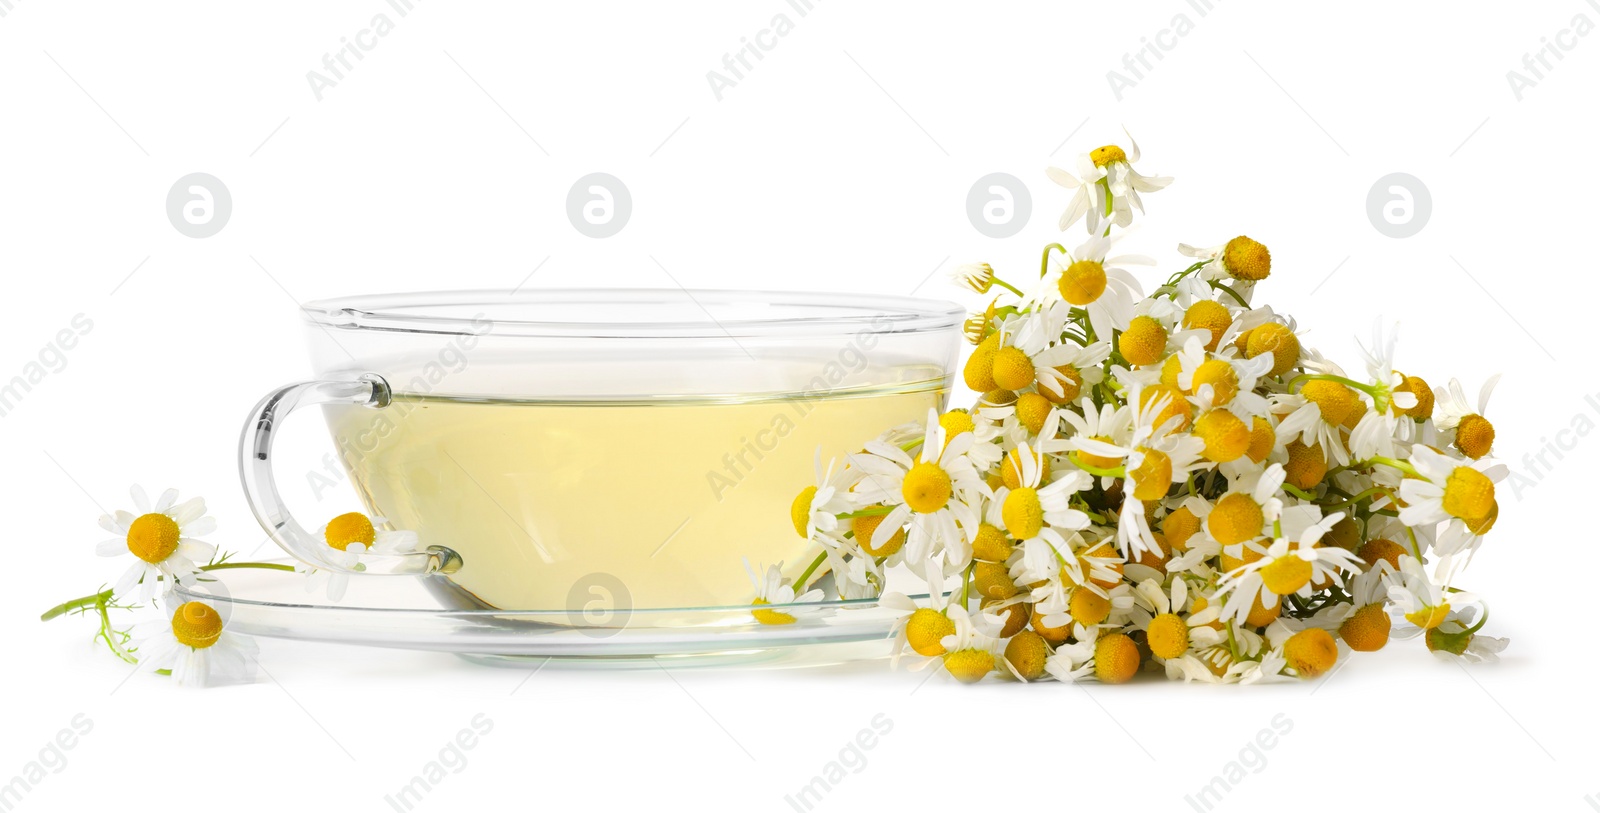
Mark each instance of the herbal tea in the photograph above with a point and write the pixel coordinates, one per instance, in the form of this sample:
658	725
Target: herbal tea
589	505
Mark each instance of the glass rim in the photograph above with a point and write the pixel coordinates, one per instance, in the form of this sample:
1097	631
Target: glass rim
440	312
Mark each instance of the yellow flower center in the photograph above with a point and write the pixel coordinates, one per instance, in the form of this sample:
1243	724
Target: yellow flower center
153	537
993	580
1480	527
1367	629
1144	341
925	630
1088	607
1070	382
1235	518
1333	399
1170	369
1101	556
1168	636
1011	469
1015	615
979	370
956	422
196	625
1211	315
1032	410
1013	370
769	616
926	488
1179	526
991	544
1262	614
865	527
1344	534
1153	477
1246	259
1222	378
969	665
1262	438
1083	282
1095	461
1226	436
1027	653
354	528
1474	436
1278	340
1023	515
1107	154
1429	617
1468	494
1306	465
1176	405
1286	574
1311	652
1116	658
1054	635
1388	550
800	510
1425	401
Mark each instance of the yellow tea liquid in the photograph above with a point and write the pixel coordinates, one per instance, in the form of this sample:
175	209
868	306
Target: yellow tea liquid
594	505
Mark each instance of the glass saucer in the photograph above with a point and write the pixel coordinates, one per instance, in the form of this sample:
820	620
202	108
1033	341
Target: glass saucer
411	613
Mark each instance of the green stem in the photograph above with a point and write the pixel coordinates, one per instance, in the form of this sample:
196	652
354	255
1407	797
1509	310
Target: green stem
815	563
1351	383
1120	471
1044	261
1371	492
1298	493
256	565
76	604
1235	294
1392	463
1484	619
875	511
1009	287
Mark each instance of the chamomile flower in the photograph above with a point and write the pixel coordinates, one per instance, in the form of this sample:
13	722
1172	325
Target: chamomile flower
1240	259
1171	630
1316	413
971	648
347	537
1457	637
1086	278
816	509
773	589
1287	568
1380	365
920	628
1106	182
161	538
1034	356
189	639
1466	428
1422	601
978	277
933	493
1453	492
1246	512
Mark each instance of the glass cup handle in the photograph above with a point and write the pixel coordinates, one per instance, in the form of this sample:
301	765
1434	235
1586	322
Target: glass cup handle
261	490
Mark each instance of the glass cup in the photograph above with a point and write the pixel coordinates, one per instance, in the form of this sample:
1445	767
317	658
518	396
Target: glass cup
591	450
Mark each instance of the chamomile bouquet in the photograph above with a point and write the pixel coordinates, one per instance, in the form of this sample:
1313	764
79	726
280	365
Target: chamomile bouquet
1171	482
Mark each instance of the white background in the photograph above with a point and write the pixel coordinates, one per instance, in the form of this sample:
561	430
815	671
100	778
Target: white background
841	162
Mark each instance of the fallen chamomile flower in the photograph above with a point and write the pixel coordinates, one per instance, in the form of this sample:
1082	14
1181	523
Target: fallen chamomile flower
190	641
161	537
347	537
1173	482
